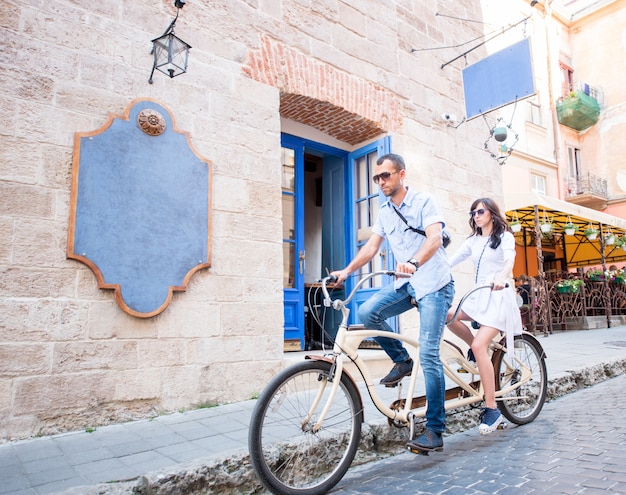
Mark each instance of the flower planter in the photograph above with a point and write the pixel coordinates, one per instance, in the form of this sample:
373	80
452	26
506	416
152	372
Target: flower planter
546	228
578	111
592	237
564	290
570	231
609	240
516	227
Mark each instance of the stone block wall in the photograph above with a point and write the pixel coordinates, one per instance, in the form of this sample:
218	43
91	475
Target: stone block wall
70	358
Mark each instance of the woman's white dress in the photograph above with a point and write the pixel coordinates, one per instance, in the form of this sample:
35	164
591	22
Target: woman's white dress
492	308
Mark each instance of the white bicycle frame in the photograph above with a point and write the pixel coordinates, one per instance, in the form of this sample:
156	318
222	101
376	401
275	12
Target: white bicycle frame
347	343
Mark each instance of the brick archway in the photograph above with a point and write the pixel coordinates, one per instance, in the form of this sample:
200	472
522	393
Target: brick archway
339	104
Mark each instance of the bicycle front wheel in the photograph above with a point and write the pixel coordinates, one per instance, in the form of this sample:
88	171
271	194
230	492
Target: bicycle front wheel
522	404
289	455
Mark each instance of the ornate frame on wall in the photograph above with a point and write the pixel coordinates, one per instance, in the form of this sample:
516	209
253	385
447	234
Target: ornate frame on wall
140	207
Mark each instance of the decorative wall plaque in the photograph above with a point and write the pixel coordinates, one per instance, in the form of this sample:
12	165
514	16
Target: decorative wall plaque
140	211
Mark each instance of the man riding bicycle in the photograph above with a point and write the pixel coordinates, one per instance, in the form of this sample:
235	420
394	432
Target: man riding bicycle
413	223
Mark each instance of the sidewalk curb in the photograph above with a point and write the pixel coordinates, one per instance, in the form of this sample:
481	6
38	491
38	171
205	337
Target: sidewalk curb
231	473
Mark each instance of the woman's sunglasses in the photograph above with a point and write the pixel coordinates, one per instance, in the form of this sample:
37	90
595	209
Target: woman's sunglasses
479	212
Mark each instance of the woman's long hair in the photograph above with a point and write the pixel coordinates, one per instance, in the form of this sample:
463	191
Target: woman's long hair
500	224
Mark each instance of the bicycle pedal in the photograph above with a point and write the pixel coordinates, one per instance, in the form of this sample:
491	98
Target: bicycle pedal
503	426
415	450
462	370
392	385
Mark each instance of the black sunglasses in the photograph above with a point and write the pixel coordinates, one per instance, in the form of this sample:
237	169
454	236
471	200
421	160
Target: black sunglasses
383	175
474	213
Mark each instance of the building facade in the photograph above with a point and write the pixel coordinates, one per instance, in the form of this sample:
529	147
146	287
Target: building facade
578	160
289	103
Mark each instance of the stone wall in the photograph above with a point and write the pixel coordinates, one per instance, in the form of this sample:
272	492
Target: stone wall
70	358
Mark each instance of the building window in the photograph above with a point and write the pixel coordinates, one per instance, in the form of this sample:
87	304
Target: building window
567	79
573	170
538	183
573	157
534	111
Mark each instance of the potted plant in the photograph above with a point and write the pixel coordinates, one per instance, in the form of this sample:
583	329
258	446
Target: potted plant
620	242
570	228
618	277
609	239
591	233
569	285
546	224
595	274
515	224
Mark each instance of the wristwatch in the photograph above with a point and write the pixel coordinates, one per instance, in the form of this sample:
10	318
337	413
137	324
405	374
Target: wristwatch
415	263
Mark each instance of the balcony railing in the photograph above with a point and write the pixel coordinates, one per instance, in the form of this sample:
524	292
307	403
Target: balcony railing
587	190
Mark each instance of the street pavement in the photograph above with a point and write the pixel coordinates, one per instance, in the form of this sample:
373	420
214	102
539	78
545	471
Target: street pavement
575	446
205	450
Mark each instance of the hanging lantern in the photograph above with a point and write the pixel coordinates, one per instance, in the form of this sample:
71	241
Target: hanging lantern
171	54
500	134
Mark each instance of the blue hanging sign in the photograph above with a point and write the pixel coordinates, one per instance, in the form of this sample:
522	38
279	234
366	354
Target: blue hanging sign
499	79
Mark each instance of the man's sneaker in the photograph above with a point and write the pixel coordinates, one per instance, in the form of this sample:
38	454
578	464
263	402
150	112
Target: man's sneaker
429	441
489	420
397	373
470	356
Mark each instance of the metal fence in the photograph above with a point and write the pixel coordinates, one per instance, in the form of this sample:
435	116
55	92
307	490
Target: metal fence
550	305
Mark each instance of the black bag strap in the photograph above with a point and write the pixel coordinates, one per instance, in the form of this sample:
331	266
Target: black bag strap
408	227
445	236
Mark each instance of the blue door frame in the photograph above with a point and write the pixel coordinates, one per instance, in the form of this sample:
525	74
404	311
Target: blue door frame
340	234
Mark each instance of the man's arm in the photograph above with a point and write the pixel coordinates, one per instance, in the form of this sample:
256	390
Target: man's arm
365	254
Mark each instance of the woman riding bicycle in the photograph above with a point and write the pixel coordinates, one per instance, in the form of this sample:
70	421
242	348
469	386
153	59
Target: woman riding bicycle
492	249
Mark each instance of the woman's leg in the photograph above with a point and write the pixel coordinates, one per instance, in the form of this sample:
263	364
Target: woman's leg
459	328
480	346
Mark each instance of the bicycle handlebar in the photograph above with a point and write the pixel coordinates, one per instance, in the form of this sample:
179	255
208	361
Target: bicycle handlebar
335	303
331	278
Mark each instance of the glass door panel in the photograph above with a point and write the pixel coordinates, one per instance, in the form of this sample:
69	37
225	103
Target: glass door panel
293	251
366	199
289	216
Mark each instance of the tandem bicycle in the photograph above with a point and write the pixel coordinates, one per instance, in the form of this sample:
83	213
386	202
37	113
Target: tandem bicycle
306	425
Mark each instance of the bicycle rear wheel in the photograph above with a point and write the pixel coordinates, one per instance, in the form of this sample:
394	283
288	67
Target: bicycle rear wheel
288	456
522	404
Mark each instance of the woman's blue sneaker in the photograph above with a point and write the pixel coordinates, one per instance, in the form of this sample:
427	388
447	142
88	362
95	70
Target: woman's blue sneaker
489	420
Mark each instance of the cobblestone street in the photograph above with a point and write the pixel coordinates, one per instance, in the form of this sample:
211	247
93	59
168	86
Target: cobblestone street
576	446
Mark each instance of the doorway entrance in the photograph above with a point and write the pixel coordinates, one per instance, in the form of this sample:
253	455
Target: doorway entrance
329	206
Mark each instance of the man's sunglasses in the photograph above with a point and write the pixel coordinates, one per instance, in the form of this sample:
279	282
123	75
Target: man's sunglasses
384	176
479	212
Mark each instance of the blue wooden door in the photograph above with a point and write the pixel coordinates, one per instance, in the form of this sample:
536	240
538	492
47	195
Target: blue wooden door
364	203
293	241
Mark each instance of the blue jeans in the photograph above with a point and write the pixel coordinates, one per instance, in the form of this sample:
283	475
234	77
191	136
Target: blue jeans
433	309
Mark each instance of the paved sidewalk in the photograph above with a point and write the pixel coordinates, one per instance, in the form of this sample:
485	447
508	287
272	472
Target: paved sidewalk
168	448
